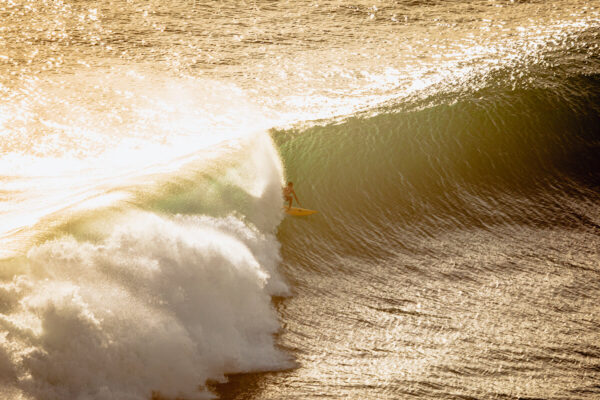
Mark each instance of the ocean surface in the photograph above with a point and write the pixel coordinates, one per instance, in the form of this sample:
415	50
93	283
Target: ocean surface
452	149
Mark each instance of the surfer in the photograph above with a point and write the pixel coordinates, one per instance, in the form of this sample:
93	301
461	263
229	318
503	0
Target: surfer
288	191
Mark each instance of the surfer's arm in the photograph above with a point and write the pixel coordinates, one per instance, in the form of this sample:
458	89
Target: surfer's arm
296	197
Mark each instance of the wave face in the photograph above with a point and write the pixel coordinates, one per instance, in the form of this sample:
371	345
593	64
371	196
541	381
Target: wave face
496	158
456	250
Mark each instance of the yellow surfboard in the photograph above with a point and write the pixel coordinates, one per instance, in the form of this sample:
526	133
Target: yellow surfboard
298	212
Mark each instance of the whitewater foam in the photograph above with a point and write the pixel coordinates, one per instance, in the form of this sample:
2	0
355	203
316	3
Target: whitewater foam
163	304
139	297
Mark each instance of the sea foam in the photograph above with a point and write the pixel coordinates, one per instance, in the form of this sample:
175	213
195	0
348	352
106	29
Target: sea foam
163	304
159	303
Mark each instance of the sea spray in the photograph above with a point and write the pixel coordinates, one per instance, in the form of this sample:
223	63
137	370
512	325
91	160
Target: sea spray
78	135
163	304
153	294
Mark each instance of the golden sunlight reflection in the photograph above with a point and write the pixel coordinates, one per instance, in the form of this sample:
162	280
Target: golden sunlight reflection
447	147
113	133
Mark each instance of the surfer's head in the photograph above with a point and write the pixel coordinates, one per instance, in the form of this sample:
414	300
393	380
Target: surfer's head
290	184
